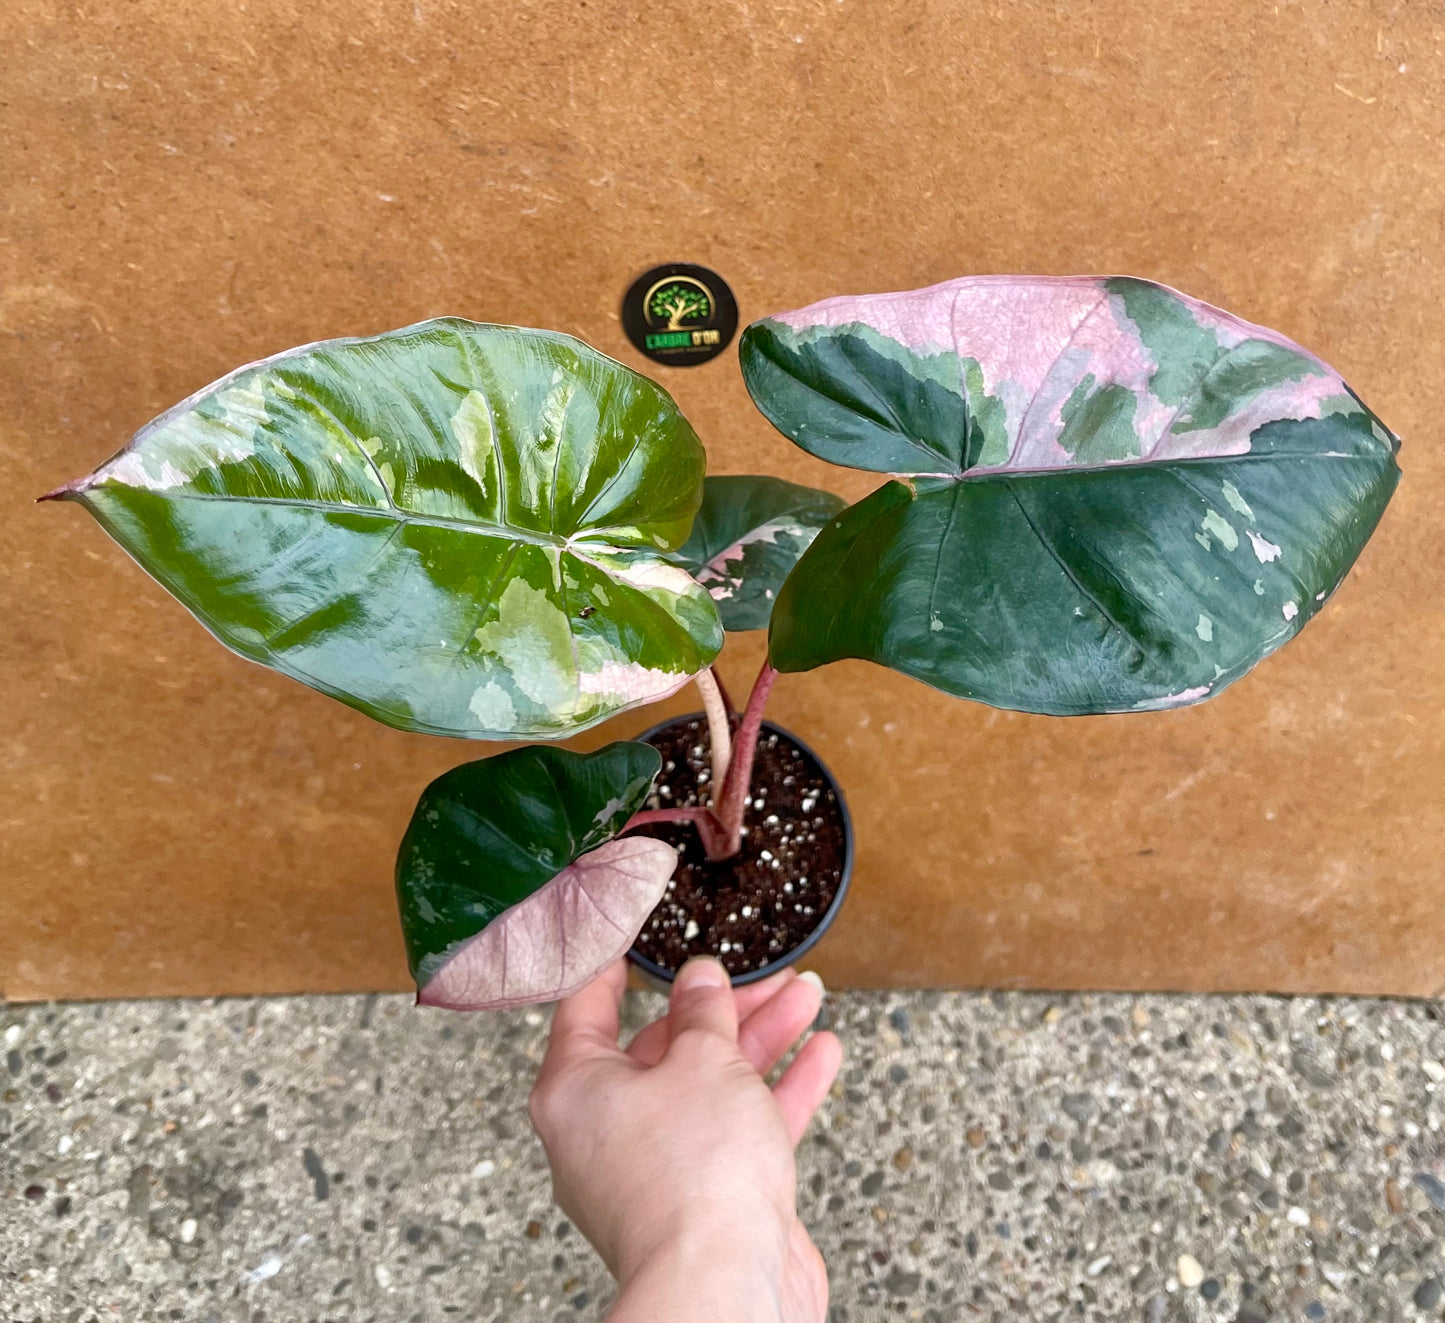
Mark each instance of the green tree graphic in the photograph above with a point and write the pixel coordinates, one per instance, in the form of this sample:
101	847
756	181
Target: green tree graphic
676	302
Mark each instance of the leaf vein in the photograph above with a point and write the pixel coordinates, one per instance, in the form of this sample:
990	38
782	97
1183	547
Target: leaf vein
355	442
1063	349
1074	579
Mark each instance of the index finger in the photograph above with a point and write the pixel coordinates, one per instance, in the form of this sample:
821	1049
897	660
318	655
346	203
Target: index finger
650	1042
588	1018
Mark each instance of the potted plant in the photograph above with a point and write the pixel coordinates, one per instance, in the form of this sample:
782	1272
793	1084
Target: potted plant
1103	497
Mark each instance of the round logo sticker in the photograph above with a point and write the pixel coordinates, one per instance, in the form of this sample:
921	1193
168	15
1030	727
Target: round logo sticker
680	314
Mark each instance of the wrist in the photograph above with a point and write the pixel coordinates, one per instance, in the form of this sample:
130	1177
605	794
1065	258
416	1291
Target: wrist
701	1275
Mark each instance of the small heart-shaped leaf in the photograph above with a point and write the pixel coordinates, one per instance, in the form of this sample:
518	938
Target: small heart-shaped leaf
560	938
456	528
747	536
510	886
1118	497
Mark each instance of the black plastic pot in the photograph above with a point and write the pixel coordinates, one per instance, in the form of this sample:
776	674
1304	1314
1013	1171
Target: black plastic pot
660	978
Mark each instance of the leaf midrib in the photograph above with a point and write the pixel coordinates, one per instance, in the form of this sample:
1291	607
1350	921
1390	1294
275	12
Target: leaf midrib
1182	461
401	515
1008	477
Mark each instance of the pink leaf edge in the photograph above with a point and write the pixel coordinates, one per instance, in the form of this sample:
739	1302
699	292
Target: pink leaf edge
562	936
1036	338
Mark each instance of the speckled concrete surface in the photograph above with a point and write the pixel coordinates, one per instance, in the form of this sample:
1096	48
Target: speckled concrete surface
984	1157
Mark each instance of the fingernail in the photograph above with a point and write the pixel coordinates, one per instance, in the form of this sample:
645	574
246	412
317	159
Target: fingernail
809	977
702	972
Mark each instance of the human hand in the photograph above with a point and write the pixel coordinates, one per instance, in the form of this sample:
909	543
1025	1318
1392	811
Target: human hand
675	1159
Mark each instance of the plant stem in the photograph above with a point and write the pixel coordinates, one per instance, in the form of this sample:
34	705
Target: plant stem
720	828
718	730
705	820
733	802
727	698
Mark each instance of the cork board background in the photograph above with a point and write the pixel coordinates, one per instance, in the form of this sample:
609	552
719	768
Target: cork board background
186	187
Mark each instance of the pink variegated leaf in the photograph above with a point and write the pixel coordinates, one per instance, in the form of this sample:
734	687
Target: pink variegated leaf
511	886
1113	497
561	937
747	536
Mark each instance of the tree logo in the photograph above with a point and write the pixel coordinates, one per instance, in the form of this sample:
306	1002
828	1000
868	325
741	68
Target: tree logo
680	314
678	301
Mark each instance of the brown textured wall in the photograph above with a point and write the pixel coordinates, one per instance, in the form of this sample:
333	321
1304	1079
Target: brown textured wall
185	187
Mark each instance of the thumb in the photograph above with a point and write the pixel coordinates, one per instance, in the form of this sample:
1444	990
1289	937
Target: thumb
702	998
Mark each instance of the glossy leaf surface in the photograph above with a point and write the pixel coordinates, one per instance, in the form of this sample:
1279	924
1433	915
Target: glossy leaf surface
456	528
510	884
747	536
1118	497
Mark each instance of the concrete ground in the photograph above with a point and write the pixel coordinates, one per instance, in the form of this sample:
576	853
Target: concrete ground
1000	1157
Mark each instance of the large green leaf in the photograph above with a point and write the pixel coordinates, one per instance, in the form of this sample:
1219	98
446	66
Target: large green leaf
456	528
1117	497
510	884
748	534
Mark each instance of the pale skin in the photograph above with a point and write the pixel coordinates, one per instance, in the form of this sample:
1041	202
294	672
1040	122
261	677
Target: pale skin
675	1158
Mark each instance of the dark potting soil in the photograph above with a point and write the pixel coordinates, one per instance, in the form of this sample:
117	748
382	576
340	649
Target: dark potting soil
754	909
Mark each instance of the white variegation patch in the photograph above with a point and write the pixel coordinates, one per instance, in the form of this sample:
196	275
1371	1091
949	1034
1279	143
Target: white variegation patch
532	638
1237	503
762	535
1173	700
646	573
631	681
493	707
194	442
476	437
1264	550
131	468
242	408
1216	525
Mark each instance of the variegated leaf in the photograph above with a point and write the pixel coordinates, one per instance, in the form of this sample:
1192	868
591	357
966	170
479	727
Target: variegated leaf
510	884
456	528
559	939
747	536
1117	497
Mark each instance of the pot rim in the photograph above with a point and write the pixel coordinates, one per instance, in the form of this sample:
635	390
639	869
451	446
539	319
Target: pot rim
651	969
